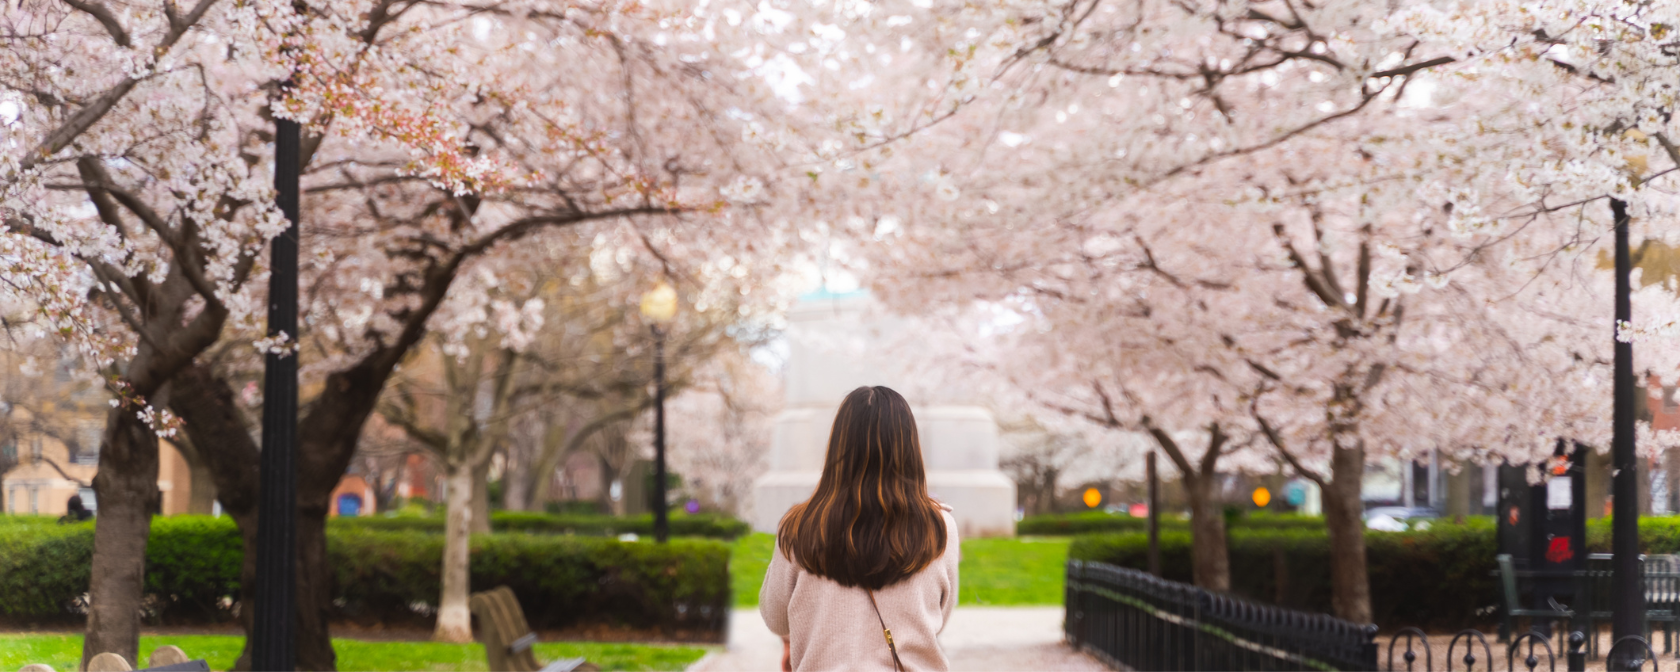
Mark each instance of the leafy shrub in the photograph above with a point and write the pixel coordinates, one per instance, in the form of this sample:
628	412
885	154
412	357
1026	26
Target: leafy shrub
1432	578
379	576
43	568
1656	534
682	525
1087	522
192	562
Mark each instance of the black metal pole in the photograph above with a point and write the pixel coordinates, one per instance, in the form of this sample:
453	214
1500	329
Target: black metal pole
1627	589
661	521
273	636
1154	515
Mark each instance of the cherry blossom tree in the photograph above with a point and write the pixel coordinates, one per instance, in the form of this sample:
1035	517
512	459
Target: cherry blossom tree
135	200
718	430
474	162
1260	161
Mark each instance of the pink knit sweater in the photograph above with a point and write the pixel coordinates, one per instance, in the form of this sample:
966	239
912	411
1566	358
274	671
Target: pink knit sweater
832	627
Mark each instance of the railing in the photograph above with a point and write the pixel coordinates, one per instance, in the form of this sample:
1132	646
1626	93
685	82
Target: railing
1469	650
1135	619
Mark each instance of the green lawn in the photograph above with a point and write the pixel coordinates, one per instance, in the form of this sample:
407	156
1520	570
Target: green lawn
63	652
1005	572
747	564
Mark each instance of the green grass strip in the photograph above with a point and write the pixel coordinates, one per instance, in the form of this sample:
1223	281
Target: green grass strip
64	652
1002	571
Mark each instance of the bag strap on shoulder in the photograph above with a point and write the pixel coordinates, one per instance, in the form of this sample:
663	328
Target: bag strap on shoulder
892	648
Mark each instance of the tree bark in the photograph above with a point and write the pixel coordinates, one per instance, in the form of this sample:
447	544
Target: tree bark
608	477
1458	491
1210	559
1671	472
517	478
481	498
207	405
214	422
1349	582
314	585
127	488
454	621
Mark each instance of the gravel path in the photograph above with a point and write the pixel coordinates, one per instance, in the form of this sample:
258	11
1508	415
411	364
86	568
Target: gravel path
978	639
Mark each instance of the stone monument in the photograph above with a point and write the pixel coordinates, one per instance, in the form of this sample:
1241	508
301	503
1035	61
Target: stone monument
834	346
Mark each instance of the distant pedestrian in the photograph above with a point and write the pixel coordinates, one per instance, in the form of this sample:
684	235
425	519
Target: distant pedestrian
77	511
865	571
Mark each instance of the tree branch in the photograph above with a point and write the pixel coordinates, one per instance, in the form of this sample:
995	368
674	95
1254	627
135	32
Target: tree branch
1314	283
1170	447
1276	439
99	12
91	113
1404	70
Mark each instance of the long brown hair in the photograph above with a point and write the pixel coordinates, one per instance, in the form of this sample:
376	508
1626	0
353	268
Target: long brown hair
871	522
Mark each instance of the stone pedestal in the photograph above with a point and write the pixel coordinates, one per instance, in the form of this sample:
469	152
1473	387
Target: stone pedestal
834	347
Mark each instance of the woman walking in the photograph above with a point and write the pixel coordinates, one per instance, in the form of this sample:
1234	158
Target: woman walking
865	571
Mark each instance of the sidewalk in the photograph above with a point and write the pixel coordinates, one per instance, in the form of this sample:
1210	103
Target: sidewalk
981	639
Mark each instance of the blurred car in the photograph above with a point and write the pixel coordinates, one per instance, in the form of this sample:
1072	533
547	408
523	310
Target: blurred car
1399	518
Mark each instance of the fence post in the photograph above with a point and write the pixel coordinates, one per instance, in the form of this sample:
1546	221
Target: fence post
1075	611
1198	607
1368	650
1577	657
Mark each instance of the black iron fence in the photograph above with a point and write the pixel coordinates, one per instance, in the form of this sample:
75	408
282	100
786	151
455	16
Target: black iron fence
1141	621
1136	620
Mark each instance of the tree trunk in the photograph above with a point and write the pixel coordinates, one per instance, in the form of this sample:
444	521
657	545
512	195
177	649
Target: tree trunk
214	422
481	497
1045	500
454	621
517	477
1671	477
608	476
217	429
201	496
314	585
1458	492
1349	582
1211	563
126	485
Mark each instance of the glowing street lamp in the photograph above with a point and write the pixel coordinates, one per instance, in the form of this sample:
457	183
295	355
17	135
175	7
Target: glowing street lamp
659	306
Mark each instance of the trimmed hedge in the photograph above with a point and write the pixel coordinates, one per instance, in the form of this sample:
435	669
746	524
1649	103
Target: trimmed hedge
43	568
1431	579
1656	534
192	564
560	580
710	525
1088	522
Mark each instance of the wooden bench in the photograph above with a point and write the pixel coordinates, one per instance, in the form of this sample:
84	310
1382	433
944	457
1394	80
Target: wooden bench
508	639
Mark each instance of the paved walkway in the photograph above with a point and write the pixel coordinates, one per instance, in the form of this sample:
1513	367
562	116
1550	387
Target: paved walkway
981	639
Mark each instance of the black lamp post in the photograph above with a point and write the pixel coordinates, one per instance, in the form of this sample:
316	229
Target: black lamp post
273	630
1154	515
1627	583
659	305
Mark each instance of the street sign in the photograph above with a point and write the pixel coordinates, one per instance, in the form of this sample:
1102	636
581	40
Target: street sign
1295	493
